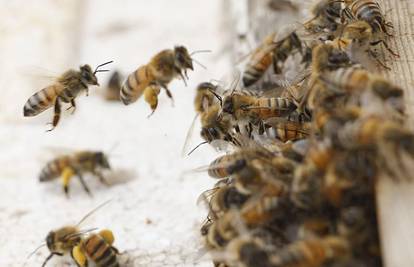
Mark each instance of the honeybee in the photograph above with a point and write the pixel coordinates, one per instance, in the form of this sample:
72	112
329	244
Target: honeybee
221	231
369	11
327	14
222	198
259	61
77	164
113	87
65	89
283	49
67	239
246	106
158	73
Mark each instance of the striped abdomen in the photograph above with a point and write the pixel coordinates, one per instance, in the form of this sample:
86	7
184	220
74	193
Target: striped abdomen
100	252
369	11
53	169
134	85
268	107
347	79
289	130
218	168
42	100
260	61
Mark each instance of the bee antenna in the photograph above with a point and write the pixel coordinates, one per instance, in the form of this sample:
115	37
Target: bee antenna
200	51
194	149
198	63
217	96
92	211
34	251
103	64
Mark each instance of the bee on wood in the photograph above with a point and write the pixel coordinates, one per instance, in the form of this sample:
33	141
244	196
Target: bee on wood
77	164
65	89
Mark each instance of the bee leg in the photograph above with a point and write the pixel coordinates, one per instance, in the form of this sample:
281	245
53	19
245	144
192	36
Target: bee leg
83	183
101	178
169	94
50	256
67	174
72	105
386	47
79	257
379	62
56	116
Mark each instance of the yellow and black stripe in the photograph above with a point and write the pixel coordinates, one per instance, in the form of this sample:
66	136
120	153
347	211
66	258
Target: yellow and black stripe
102	254
41	100
134	85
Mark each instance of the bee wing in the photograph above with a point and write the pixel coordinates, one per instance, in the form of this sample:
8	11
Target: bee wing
185	149
205	196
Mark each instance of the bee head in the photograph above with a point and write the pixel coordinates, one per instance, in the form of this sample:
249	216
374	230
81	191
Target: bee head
102	160
210	133
50	241
88	76
228	106
183	59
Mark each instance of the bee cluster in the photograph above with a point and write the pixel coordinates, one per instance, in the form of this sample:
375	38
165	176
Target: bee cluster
299	187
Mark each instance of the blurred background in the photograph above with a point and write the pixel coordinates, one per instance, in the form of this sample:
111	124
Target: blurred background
153	213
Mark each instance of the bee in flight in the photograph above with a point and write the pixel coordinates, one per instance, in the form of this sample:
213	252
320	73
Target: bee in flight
69	165
65	89
158	73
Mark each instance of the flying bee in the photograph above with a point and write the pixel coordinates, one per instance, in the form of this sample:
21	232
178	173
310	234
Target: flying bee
259	61
311	252
327	14
160	71
98	248
65	89
113	87
77	164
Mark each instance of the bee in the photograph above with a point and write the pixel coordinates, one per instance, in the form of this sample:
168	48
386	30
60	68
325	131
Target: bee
222	198
369	11
158	73
259	61
113	87
66	239
221	231
260	209
245	106
327	14
77	164
65	89
283	49
311	252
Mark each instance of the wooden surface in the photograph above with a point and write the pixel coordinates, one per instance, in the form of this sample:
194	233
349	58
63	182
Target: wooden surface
395	200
